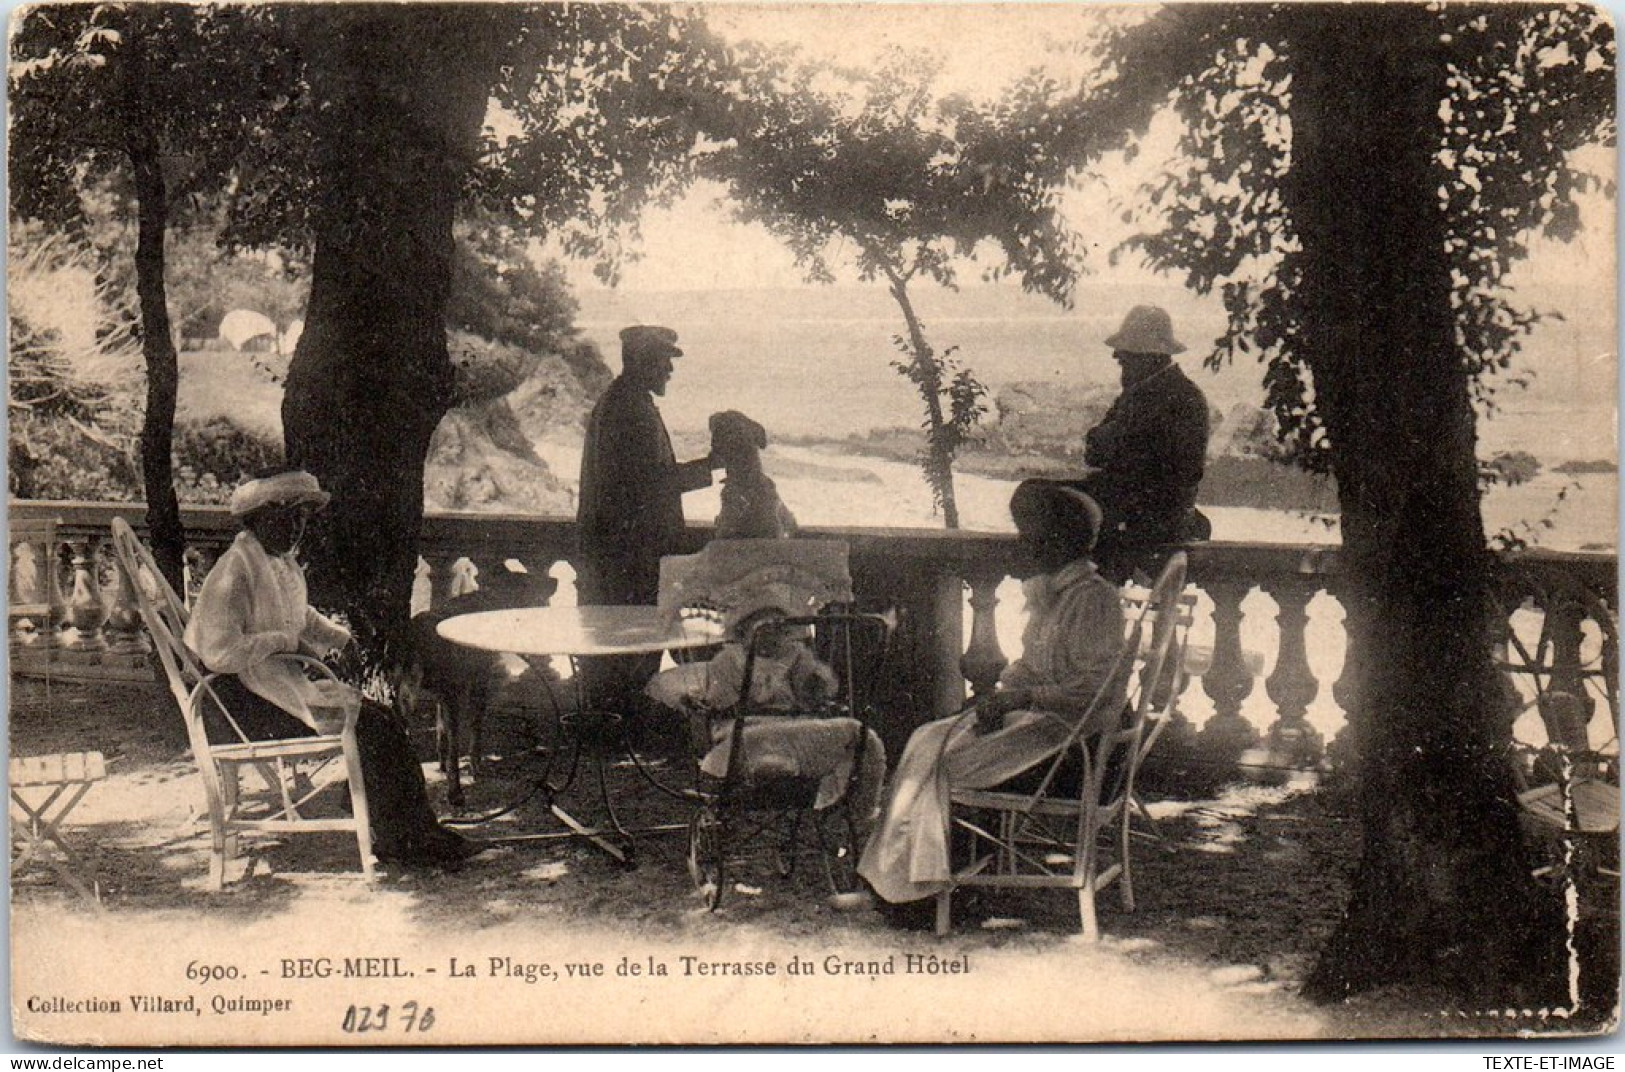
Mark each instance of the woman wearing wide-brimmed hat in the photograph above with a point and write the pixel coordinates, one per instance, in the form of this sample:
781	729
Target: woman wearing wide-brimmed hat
250	613
1069	648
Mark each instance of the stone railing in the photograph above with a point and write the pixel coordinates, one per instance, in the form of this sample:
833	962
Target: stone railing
1268	649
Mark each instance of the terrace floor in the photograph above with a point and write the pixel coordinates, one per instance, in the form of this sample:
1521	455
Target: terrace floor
1234	900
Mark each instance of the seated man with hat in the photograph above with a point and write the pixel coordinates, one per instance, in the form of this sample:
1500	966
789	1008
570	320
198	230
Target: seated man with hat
1147	455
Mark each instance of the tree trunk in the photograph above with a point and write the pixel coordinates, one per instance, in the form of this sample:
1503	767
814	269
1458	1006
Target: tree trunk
401	92
1442	893
927	377
164	528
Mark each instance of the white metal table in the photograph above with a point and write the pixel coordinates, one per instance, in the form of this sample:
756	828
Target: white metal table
582	633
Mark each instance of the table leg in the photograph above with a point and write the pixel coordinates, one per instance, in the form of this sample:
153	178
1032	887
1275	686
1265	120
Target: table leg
592	732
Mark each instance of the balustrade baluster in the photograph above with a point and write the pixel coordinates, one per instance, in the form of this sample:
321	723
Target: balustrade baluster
463	578
1228	681
1292	685
1564	624
422	586
123	632
86	612
983	660
443	577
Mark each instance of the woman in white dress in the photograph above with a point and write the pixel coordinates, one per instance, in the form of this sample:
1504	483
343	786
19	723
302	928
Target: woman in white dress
1069	648
252	612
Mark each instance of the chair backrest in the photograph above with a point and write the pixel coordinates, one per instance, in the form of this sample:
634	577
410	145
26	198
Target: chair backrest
1161	679
853	645
730	579
165	617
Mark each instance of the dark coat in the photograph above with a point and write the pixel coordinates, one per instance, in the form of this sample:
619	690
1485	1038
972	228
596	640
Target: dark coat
630	510
1149	452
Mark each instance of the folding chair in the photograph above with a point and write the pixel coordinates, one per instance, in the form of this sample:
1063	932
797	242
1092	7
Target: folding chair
1052	839
45	789
293	770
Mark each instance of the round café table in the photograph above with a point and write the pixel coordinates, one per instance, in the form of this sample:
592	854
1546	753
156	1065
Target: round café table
582	633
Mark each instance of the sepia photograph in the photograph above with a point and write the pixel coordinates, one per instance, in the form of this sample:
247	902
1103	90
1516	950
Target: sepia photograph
627	524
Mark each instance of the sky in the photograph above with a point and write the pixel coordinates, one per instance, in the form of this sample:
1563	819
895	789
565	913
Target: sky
982	49
694	244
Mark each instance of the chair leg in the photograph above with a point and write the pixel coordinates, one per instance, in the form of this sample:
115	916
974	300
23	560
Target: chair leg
358	807
284	776
945	912
1086	913
1128	875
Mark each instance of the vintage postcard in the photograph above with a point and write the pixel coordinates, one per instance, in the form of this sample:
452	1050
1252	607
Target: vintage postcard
811	523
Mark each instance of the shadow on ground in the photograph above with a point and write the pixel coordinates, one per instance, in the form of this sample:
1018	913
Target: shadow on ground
1242	889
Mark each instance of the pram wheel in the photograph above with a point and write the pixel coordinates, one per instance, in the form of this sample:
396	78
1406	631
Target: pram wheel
705	859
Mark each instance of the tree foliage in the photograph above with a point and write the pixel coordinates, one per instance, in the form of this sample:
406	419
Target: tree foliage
882	167
1357	181
1528	86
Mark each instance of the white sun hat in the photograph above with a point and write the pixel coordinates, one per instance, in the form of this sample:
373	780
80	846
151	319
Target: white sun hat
287	489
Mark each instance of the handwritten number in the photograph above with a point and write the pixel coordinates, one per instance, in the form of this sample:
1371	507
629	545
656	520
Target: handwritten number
360	1019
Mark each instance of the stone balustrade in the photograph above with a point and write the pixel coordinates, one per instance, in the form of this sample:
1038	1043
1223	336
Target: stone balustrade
1268	652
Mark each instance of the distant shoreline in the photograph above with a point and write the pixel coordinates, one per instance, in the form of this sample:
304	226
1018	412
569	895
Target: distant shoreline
1229	481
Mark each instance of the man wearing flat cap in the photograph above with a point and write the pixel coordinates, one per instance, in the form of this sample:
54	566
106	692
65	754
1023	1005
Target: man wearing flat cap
630	510
631	505
1146	456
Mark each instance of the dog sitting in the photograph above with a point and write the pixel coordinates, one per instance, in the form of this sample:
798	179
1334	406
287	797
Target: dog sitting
460	682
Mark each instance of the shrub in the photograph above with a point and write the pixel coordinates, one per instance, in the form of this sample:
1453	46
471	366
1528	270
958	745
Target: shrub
213	456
